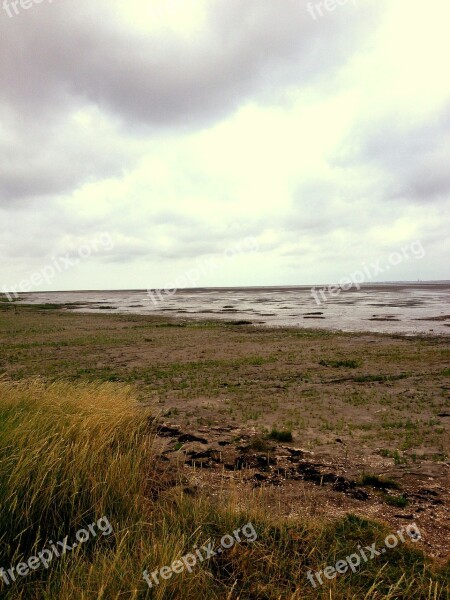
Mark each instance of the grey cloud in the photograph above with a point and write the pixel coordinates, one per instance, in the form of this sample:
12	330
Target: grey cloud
177	241
62	57
76	55
414	156
320	206
38	162
79	54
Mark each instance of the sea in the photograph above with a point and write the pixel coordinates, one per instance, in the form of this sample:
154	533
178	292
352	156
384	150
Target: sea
404	308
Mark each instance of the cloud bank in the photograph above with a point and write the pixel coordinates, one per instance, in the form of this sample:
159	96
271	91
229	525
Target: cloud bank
180	128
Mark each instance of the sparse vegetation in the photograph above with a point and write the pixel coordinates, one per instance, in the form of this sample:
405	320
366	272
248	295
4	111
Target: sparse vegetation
380	378
76	444
378	482
399	459
281	435
399	501
258	444
350	364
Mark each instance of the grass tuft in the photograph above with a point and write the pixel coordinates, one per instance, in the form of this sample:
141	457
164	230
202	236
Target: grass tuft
351	364
281	435
377	482
399	501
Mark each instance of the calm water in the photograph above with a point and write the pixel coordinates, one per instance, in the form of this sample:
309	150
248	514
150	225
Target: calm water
397	308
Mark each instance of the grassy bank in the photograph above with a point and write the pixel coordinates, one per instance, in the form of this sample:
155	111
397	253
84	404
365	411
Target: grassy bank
72	453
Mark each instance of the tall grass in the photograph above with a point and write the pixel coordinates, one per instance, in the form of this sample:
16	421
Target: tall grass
69	454
72	453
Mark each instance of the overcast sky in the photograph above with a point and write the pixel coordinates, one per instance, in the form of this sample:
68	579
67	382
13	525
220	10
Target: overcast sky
161	134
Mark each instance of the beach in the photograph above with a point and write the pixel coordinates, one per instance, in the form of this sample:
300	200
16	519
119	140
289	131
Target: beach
354	404
404	308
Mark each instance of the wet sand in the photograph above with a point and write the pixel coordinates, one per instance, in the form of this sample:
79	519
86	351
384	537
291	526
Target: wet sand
403	308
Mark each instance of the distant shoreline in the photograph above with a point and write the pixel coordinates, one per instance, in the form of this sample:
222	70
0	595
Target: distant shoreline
403	309
375	285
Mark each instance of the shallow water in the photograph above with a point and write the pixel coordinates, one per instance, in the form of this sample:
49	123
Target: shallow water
393	308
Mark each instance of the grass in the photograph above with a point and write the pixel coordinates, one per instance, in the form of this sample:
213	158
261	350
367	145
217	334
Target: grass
398	501
72	453
398	458
281	435
49	459
351	364
380	378
84	450
258	444
378	482
258	374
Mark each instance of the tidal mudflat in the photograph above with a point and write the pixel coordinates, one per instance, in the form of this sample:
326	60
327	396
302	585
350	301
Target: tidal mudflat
316	420
405	308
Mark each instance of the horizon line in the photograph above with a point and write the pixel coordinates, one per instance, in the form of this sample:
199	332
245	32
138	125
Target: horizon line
281	286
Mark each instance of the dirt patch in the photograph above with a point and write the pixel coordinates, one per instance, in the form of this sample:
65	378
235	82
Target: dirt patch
229	458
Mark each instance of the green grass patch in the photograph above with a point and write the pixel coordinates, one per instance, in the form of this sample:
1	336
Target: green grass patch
281	435
379	378
398	501
351	364
399	459
377	482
